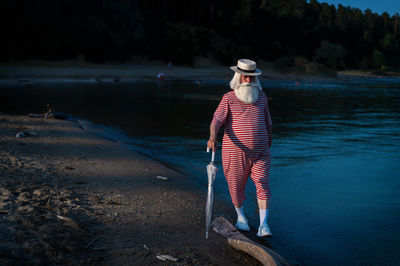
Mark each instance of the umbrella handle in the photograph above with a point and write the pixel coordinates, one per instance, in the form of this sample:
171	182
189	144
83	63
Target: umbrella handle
212	155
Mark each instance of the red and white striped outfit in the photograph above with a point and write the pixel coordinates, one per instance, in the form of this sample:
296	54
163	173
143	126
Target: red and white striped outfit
245	148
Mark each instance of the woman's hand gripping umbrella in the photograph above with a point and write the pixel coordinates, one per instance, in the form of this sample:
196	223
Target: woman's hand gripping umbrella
211	172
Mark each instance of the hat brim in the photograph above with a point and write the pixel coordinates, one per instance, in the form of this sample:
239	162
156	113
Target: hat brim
257	72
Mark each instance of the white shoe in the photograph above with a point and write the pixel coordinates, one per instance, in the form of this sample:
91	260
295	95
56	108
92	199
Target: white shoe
242	226
264	230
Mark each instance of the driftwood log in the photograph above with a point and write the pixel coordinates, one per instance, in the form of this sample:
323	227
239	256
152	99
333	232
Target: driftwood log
238	241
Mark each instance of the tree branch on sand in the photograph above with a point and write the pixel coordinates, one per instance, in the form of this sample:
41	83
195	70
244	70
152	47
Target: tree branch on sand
238	241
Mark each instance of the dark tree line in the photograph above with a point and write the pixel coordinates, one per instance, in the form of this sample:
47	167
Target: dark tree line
286	31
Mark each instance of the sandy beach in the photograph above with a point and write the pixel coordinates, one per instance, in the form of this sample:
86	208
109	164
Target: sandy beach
71	197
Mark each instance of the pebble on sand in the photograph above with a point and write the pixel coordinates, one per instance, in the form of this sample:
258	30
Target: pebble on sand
167	257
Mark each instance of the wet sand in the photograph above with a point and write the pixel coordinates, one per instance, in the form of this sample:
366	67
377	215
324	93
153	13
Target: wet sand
71	197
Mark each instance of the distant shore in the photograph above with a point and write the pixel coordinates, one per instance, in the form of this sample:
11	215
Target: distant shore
42	72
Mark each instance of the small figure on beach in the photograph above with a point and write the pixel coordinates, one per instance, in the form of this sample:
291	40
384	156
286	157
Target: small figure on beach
161	76
160	79
51	113
247	141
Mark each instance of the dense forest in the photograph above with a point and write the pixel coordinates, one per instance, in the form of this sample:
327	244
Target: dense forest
287	32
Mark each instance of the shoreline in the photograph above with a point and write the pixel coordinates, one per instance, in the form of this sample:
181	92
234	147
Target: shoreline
111	194
45	72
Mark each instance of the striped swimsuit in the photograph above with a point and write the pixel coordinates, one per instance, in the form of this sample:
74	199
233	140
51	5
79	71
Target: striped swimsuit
245	149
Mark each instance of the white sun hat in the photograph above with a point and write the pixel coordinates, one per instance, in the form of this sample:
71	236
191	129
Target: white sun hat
246	67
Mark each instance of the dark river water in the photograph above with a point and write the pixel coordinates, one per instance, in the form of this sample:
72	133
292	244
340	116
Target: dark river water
335	175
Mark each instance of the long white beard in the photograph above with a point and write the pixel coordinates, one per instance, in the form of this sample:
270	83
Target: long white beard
247	92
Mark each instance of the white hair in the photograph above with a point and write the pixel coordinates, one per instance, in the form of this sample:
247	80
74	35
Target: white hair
235	82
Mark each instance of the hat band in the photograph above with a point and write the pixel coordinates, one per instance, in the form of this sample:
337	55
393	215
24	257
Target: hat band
247	71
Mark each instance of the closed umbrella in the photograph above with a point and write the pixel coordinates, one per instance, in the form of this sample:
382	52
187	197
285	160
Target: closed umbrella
211	172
